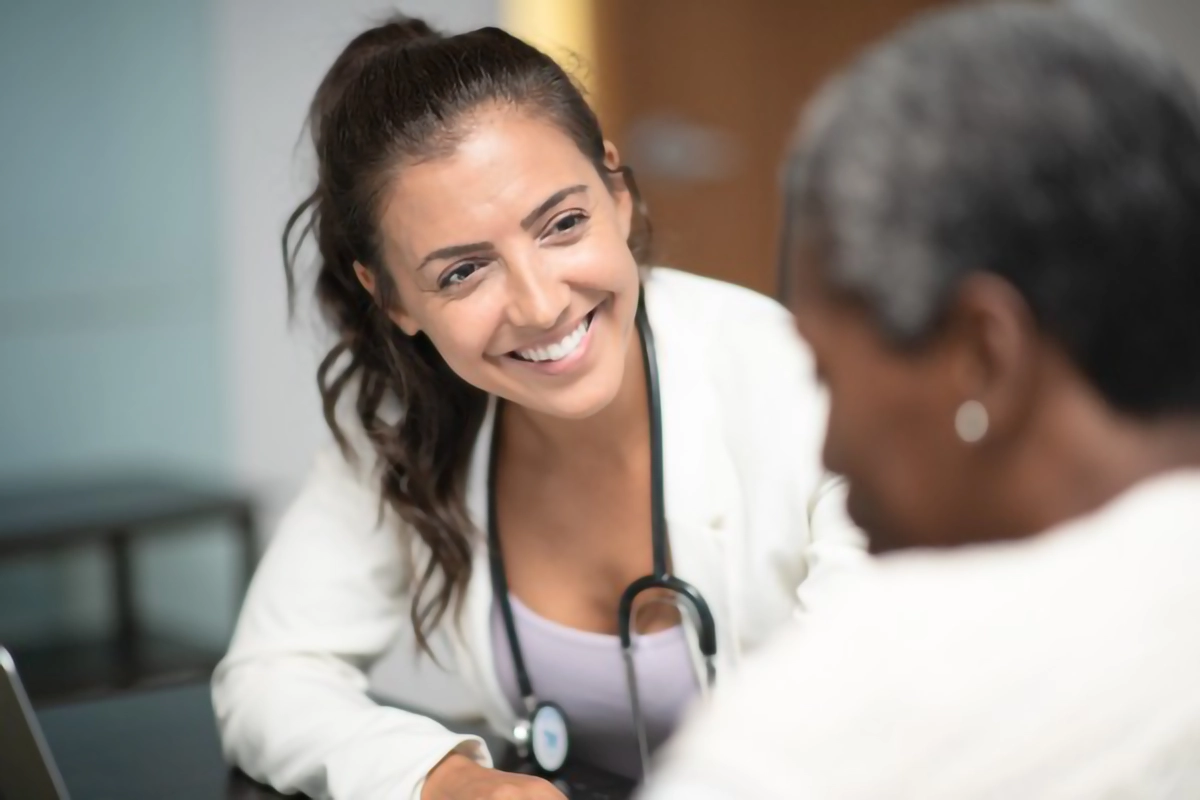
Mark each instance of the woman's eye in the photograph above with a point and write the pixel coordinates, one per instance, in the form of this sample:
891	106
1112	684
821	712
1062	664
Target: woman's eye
459	274
568	222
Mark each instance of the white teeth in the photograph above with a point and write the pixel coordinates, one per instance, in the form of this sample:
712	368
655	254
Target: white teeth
558	350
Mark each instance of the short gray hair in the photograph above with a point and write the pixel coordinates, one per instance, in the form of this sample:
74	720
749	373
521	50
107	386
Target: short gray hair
1029	142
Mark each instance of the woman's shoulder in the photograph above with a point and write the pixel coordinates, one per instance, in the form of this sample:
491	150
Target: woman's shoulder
740	333
337	518
707	299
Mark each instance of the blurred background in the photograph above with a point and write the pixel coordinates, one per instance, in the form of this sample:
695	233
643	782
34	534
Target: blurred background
157	411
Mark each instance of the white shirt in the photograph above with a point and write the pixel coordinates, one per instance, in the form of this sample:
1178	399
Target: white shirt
1065	666
742	427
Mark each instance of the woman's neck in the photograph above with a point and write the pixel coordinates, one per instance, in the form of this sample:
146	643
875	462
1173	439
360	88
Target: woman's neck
618	432
1088	460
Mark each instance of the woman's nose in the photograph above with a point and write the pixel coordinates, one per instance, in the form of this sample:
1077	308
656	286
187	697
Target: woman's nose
537	299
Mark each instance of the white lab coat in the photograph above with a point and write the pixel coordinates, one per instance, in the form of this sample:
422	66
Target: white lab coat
742	427
1061	667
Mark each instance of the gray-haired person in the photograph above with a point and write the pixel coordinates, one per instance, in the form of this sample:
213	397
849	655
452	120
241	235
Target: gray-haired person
994	252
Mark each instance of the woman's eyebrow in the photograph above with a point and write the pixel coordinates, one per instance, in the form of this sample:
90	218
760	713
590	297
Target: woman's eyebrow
550	202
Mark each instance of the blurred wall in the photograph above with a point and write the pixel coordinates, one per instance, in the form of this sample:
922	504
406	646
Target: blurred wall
111	342
107	253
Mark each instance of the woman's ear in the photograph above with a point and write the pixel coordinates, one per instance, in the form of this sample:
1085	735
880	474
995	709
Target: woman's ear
621	191
997	349
402	320
365	278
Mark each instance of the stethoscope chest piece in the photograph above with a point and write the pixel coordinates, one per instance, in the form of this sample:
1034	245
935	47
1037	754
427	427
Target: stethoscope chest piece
544	737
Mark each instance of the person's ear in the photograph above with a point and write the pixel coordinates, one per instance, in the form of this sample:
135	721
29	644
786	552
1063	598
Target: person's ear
403	321
995	346
622	192
365	277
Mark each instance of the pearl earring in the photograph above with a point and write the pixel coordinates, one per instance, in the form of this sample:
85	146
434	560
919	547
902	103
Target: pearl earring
971	422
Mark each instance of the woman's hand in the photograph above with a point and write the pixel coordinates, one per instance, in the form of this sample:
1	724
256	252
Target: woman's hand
459	778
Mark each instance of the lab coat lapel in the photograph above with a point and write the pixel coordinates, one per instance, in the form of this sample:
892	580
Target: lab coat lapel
700	483
475	652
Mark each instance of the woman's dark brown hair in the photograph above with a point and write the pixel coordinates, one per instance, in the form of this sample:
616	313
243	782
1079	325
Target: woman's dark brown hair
399	94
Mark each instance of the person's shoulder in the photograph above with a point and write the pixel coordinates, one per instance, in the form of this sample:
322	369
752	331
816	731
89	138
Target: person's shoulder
742	334
708	299
340	485
878	651
907	656
1019	603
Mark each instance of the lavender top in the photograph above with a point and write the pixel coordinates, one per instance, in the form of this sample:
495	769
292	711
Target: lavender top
584	673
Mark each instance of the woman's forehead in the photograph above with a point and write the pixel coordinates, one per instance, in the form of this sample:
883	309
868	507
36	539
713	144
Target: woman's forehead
505	166
501	153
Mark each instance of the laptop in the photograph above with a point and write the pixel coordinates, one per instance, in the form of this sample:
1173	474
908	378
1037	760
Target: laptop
27	770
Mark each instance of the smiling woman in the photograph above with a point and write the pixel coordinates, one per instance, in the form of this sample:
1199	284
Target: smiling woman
483	249
507	248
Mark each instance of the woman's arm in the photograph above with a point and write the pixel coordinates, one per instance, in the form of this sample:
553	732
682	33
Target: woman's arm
327	600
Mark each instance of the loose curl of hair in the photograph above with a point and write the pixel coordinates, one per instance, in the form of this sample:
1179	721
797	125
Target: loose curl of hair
398	94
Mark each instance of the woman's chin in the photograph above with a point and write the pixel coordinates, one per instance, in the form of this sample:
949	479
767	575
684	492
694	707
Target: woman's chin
577	403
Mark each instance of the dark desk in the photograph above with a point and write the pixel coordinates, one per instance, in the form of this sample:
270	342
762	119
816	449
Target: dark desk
113	512
163	743
144	746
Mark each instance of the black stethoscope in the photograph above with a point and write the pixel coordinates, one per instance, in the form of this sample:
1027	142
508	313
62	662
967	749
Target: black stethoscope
541	732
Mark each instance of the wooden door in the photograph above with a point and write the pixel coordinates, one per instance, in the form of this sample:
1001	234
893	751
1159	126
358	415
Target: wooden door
701	96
